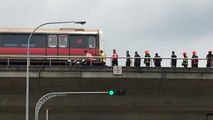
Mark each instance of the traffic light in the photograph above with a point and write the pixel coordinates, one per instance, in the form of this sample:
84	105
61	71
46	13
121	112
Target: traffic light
117	92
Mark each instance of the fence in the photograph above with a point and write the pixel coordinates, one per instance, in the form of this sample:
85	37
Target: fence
166	62
51	60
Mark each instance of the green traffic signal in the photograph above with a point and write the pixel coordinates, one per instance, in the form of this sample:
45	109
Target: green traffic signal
117	92
111	92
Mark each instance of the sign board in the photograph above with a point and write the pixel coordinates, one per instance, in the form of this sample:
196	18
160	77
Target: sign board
117	70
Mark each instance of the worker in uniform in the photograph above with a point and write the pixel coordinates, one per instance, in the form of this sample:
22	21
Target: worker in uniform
147	58
128	60
103	58
88	59
137	61
157	60
185	60
173	59
114	58
209	59
194	59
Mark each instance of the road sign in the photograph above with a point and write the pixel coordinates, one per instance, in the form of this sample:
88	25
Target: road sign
117	70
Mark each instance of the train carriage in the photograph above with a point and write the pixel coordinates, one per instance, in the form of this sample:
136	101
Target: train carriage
50	42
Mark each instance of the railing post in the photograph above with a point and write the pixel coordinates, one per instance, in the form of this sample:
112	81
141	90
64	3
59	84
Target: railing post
90	63
70	61
50	62
8	62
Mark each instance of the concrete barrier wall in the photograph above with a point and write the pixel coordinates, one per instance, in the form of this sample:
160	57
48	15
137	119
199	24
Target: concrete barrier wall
152	93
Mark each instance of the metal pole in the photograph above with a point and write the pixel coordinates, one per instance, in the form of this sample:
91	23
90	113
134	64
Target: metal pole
28	59
47	114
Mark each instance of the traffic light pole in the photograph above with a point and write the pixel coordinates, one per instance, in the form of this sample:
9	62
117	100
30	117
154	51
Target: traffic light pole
48	96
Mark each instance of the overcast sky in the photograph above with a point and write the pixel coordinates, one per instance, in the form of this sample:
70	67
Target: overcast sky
135	25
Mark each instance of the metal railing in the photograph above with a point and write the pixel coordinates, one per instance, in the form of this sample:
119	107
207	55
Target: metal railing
166	62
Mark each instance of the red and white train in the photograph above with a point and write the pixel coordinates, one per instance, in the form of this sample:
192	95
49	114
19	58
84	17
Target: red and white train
50	42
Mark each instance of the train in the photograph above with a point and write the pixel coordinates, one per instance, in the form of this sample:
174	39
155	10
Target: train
48	43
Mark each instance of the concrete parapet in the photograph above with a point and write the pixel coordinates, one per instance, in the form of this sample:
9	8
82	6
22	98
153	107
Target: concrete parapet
152	93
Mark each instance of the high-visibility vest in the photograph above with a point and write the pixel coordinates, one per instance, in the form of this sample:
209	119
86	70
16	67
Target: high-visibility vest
115	56
88	57
185	61
195	61
147	59
103	57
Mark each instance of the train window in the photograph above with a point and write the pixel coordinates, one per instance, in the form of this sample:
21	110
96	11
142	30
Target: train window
9	40
20	40
52	41
36	40
62	41
24	40
91	42
39	41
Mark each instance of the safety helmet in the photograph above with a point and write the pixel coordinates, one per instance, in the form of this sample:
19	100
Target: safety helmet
194	52
146	51
184	53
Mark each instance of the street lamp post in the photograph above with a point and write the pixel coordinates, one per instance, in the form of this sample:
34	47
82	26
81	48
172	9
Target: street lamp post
28	58
48	96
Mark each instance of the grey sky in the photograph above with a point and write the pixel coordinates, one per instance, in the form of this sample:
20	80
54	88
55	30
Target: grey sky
157	25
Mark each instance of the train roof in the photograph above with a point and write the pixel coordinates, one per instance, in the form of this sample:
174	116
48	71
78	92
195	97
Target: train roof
51	30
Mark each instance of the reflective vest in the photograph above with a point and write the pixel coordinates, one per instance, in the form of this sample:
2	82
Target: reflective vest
147	59
88	57
115	56
103	57
195	61
185	61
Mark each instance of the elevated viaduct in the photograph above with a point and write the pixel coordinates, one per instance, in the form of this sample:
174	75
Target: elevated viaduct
152	93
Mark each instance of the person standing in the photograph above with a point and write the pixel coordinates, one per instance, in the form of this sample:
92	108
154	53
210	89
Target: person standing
103	58
147	58
114	58
137	61
157	60
185	60
173	59
128	60
209	59
194	59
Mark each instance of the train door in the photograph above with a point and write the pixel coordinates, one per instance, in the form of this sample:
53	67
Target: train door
57	45
63	49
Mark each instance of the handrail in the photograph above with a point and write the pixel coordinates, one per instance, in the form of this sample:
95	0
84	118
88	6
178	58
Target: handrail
121	60
44	56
